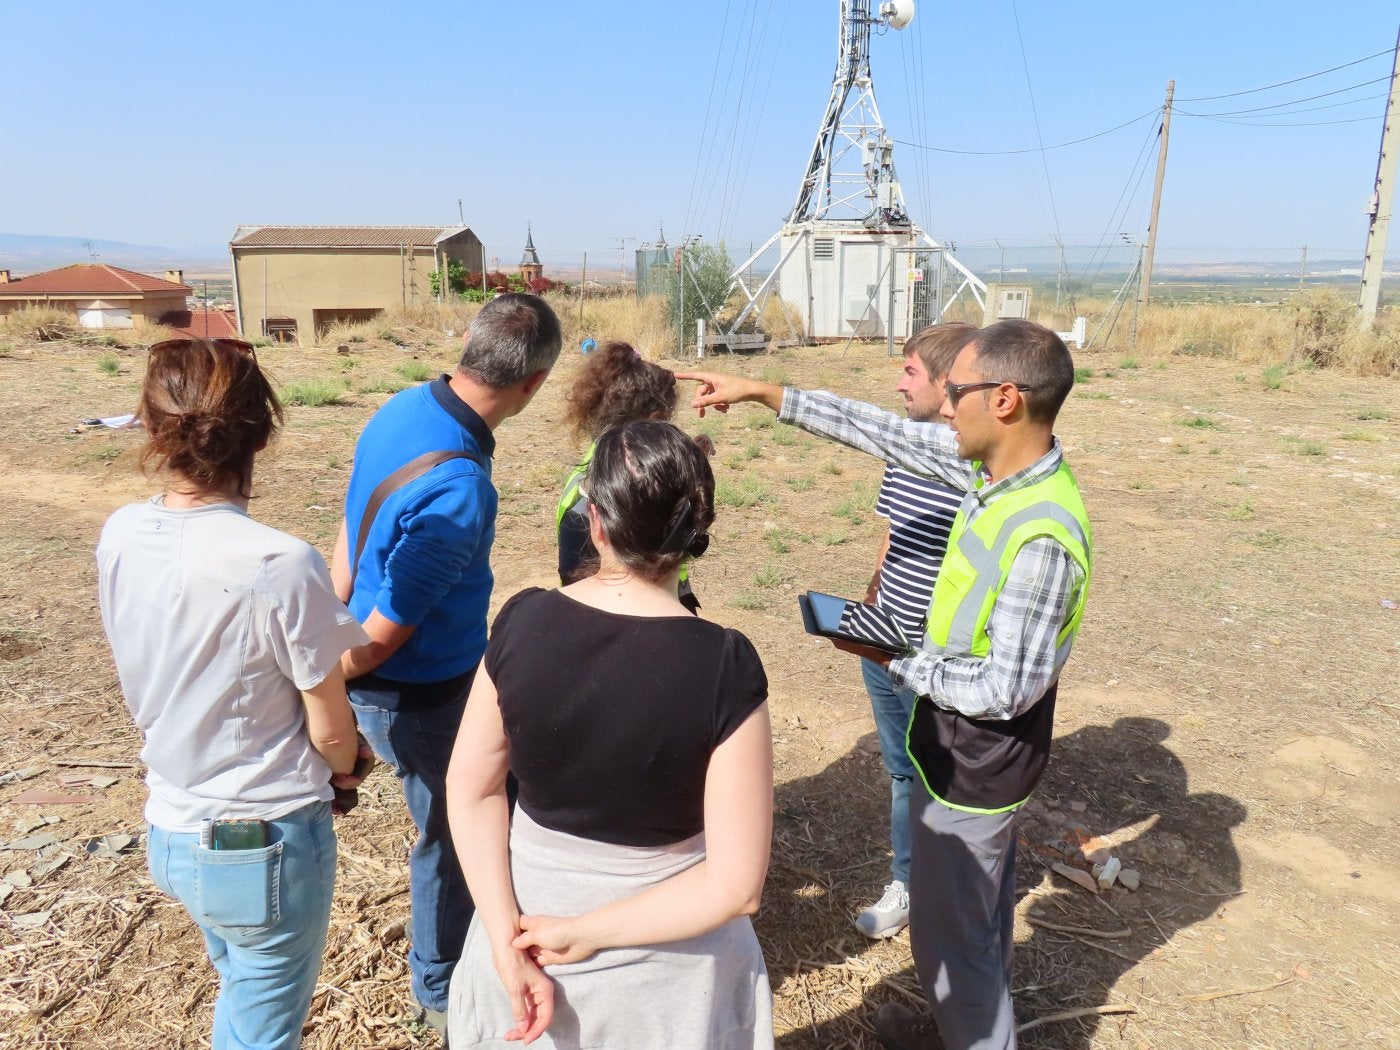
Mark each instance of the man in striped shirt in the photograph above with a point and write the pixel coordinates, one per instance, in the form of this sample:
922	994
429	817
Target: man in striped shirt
920	511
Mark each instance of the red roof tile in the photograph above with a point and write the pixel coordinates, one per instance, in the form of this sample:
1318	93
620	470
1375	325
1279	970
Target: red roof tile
94	279
201	324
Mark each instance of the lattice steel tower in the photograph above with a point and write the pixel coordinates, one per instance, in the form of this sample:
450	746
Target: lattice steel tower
851	171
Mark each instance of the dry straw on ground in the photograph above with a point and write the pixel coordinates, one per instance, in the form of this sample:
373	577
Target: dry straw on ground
1226	724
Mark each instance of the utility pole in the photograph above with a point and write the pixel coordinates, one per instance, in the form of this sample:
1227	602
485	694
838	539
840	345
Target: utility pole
583	280
1150	253
1303	268
622	257
680	311
1381	200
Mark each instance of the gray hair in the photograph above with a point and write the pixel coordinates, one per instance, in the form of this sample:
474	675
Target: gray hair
1031	356
513	337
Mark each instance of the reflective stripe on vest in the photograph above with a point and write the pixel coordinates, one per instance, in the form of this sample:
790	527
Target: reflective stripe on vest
980	556
974	572
573	487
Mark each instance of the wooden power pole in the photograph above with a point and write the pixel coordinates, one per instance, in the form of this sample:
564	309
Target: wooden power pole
1381	200
1150	254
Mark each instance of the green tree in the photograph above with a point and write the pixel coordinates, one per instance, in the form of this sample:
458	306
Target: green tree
700	289
456	278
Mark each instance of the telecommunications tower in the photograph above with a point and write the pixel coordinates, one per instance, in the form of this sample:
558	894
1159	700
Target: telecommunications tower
851	261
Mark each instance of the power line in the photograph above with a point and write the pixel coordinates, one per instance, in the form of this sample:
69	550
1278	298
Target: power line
1291	112
701	156
1293	102
1294	124
1035	114
1125	201
1295	80
1033	149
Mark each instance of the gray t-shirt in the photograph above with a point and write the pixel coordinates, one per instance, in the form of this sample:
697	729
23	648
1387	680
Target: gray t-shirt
217	622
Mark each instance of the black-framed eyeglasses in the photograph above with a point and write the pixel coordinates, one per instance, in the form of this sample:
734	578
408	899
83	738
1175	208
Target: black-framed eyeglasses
955	391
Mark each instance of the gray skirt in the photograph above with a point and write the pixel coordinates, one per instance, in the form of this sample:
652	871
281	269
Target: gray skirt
706	993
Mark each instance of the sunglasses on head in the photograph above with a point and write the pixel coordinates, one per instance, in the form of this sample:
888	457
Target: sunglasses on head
955	391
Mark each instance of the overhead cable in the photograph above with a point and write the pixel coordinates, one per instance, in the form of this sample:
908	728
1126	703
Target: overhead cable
1033	149
1295	80
1035	114
1290	112
1295	101
1291	124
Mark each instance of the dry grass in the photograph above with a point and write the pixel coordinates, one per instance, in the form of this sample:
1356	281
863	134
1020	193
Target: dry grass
145	333
1312	327
1198	697
43	323
641	322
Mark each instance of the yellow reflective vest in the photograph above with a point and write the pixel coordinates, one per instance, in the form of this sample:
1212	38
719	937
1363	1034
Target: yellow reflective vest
992	765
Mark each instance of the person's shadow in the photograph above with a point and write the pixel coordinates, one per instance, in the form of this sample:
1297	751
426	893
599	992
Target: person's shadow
1117	785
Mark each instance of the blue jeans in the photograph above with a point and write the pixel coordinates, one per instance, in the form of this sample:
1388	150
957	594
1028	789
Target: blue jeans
892	707
264	915
418	744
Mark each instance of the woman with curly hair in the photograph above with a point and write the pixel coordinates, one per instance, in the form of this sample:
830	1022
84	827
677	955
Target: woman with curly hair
616	385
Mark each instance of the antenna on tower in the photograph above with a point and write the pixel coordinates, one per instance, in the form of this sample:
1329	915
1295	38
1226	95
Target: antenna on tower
851	170
851	262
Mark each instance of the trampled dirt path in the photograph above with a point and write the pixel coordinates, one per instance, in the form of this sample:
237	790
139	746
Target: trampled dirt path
1226	725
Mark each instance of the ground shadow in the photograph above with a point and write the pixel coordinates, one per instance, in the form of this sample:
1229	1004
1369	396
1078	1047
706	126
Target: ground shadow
1119	782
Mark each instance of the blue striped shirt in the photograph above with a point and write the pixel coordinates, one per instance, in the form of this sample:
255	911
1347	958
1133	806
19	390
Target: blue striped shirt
920	511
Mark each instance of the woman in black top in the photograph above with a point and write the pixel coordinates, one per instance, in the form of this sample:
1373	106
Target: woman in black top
640	738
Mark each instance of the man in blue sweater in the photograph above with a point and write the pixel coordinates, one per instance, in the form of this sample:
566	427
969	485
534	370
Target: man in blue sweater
420	580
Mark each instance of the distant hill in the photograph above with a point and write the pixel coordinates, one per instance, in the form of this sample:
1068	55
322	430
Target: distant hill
28	253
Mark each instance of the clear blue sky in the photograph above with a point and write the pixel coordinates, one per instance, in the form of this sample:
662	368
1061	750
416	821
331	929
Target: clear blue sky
164	123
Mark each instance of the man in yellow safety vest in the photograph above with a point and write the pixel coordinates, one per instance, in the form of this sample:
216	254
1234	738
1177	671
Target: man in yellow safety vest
1005	611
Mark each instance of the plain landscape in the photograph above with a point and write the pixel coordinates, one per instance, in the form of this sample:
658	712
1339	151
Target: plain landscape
1226	726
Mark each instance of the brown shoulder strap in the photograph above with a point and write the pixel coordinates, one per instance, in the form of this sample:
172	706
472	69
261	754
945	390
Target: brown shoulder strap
410	471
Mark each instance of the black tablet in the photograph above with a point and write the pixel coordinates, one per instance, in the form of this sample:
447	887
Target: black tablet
828	616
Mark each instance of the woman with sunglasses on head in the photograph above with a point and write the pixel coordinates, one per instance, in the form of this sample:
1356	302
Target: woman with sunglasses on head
227	637
616	385
612	908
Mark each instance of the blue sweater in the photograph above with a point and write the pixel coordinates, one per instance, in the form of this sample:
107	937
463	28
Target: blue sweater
426	562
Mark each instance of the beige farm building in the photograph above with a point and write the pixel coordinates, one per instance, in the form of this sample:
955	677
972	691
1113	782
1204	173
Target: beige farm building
291	282
101	296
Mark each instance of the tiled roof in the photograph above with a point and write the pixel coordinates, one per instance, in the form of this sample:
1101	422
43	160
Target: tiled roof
89	279
201	324
340	236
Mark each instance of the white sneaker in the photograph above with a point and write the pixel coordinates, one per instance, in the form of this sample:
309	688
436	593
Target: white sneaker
888	915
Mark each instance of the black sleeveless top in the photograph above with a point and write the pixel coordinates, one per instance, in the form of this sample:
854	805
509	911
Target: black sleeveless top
612	718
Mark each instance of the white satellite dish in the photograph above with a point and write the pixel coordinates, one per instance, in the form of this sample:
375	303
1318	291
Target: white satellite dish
897	13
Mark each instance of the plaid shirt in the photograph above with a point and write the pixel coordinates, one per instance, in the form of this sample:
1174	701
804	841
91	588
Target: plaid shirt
1041	589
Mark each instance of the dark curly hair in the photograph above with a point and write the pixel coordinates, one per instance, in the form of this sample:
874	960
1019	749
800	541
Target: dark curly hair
208	410
617	385
650	483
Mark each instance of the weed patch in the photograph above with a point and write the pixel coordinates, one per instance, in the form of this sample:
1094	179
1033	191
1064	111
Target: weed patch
314	393
414	371
745	492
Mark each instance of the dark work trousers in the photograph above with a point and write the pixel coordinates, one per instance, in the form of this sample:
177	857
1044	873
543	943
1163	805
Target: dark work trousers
962	897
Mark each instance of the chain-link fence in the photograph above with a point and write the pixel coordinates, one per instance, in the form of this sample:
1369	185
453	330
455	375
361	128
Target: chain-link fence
1063	274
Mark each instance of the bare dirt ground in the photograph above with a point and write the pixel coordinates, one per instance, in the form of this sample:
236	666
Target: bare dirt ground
1226	724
